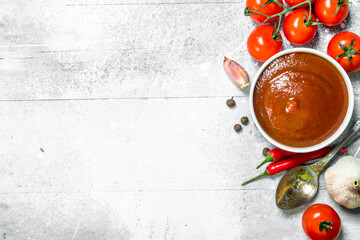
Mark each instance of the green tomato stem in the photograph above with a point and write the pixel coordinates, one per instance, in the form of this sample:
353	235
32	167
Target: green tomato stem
325	225
280	14
278	3
308	22
275	36
340	3
349	52
286	9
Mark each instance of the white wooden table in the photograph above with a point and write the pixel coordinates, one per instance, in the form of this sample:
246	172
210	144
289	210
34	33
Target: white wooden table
114	123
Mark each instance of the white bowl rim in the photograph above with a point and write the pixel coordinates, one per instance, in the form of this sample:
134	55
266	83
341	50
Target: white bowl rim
343	125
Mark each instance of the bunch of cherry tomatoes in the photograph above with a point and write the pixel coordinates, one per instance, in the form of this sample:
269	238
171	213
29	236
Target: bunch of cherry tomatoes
300	26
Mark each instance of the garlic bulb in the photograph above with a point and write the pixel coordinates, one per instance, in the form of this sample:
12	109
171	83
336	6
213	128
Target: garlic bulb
343	181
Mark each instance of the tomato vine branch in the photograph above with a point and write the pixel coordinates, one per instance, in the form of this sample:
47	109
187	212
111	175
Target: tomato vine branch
340	3
272	1
307	22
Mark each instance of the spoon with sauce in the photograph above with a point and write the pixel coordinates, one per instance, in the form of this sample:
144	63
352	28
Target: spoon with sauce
300	184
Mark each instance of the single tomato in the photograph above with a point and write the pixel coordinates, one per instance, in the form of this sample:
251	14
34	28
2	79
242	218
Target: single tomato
269	9
261	43
321	222
297	29
344	48
296	2
331	12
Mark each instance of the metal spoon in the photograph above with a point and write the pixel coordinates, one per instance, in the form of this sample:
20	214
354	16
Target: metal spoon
300	184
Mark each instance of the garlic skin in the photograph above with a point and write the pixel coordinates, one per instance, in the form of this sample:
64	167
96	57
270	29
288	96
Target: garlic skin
343	181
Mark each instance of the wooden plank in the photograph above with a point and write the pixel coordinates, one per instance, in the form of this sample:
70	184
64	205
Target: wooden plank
61	52
127	145
111	2
159	159
124	145
158	215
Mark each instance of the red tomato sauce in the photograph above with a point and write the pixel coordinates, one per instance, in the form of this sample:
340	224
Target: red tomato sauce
300	99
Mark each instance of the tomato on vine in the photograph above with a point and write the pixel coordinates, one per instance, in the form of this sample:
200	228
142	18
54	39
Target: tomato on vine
320	221
264	41
266	7
296	2
299	28
344	47
331	12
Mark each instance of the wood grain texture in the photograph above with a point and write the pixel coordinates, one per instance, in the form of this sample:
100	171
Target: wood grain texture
171	167
157	144
157	215
114	124
95	51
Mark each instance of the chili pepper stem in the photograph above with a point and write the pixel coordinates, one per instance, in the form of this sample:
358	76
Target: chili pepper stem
268	158
253	179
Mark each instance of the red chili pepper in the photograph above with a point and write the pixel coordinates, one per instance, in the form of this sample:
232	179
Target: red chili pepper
275	155
293	161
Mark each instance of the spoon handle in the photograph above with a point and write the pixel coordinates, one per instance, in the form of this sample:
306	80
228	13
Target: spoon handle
354	134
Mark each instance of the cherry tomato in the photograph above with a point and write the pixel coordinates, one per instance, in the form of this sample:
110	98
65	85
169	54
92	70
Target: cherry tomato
296	2
295	29
325	11
261	44
321	222
347	56
269	9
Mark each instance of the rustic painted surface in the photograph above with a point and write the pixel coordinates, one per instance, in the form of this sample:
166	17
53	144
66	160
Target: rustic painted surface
114	124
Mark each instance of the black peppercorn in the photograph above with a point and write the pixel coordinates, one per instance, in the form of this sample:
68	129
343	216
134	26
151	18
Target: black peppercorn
244	120
265	151
237	127
230	102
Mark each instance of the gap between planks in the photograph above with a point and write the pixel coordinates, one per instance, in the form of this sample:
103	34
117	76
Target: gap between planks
123	98
125	4
117	98
149	3
144	191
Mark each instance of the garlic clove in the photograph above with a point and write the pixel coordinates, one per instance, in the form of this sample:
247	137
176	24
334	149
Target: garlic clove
236	73
343	182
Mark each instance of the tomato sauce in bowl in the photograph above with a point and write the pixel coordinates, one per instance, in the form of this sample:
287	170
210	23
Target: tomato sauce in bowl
300	99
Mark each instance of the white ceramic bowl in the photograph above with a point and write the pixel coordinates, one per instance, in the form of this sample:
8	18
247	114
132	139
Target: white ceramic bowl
342	126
